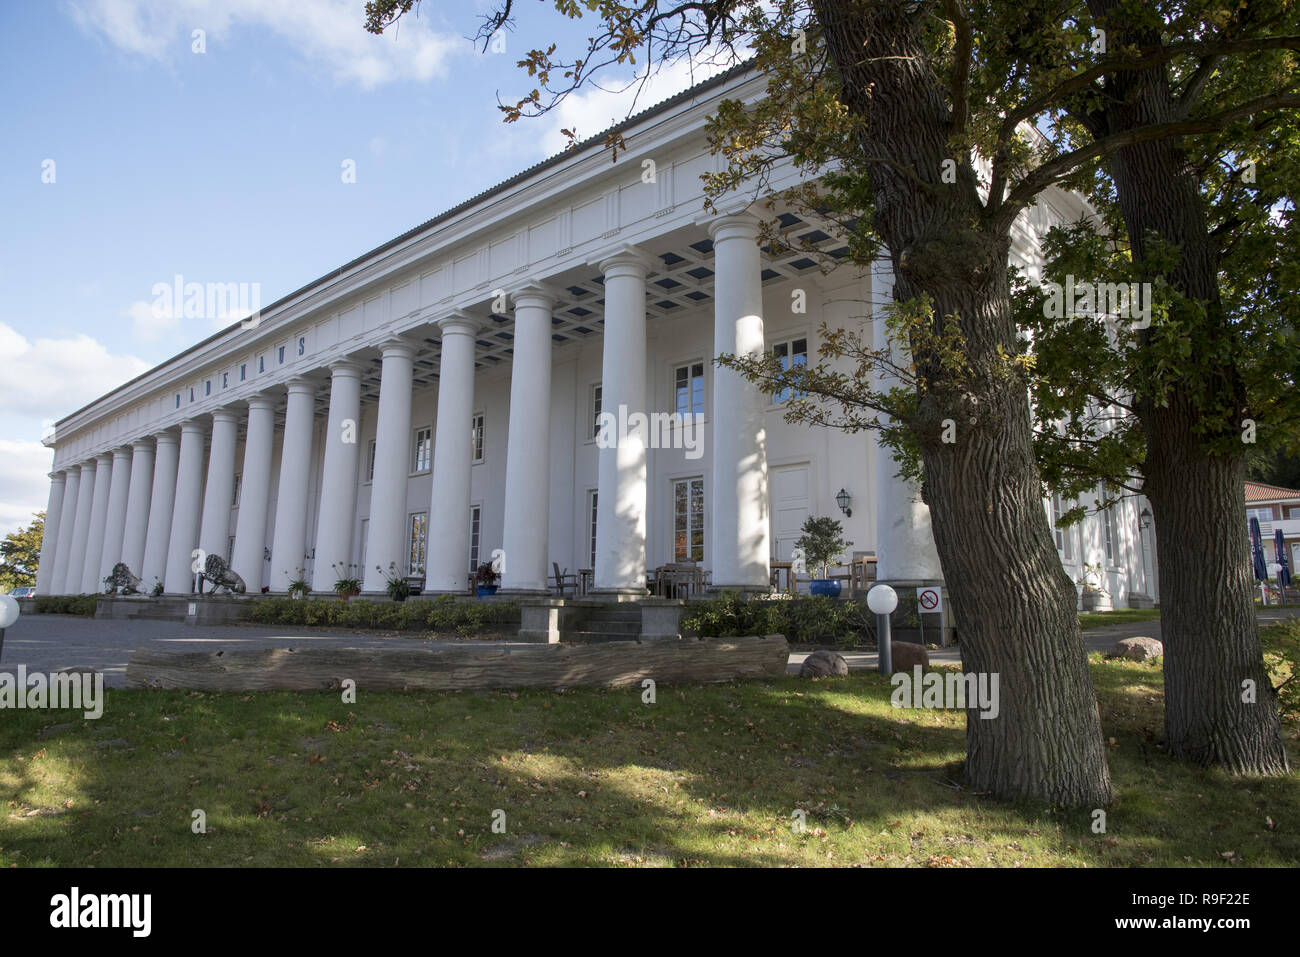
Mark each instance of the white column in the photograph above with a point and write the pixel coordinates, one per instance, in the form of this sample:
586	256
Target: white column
179	577
528	466
219	490
91	581
115	523
448	552
80	529
905	550
386	537
249	558
137	505
621	505
49	548
162	501
338	492
67	523
739	527
289	541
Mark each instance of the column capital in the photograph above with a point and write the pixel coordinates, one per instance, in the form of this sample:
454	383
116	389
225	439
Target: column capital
346	368
260	400
536	293
104	457
396	346
623	259
122	452
735	225
459	322
301	384
193	427
141	445
224	415
166	438
86	466
58	477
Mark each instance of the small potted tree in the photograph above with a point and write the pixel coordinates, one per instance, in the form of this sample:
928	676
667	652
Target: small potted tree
485	580
1094	596
346	585
822	543
299	587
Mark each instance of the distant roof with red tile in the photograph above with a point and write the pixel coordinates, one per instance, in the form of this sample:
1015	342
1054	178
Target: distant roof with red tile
1259	492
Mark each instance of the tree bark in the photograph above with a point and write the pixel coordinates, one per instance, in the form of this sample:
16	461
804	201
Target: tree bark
1208	626
1015	603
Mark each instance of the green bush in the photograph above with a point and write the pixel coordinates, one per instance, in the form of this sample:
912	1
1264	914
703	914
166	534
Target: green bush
442	614
813	619
83	605
1282	657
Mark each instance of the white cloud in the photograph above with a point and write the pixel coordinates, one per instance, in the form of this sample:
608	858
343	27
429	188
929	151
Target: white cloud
328	33
150	324
24	482
46	379
593	109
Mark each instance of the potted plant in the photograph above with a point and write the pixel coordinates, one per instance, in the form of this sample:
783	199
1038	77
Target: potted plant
346	585
396	585
822	542
157	589
485	580
298	587
1094	596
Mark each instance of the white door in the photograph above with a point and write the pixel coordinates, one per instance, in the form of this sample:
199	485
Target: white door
788	491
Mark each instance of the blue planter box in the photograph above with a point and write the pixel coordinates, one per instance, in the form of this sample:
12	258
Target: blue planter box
485	590
830	587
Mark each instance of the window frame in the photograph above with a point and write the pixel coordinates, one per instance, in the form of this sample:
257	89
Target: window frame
689	530
788	341
417	540
478	437
689	366
415	467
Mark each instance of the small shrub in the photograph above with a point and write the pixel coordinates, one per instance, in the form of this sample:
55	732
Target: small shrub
83	605
813	619
446	613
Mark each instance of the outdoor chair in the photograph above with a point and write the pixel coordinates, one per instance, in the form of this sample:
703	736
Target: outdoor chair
564	581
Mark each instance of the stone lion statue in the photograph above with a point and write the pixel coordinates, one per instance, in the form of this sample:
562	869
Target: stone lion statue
121	579
219	573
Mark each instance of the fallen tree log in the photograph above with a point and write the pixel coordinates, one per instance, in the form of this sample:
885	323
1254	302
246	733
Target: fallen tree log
463	667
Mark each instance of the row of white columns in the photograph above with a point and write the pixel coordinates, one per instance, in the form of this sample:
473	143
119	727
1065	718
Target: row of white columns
152	505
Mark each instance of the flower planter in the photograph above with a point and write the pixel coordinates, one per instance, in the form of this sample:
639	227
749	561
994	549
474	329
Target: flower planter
830	587
1092	600
485	590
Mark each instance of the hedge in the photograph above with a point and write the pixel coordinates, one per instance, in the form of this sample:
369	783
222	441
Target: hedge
83	605
813	619
444	613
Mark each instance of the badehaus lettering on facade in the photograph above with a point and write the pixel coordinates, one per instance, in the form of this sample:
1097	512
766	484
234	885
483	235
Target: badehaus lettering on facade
531	371
77	691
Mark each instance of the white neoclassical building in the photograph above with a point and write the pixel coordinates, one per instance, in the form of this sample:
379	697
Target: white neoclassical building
439	398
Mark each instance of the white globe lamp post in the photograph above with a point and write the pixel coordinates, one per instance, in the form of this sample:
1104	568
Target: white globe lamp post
882	600
8	615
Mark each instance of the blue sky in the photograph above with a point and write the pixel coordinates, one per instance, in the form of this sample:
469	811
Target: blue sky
224	166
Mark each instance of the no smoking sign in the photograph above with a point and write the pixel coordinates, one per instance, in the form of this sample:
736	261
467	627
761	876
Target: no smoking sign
929	599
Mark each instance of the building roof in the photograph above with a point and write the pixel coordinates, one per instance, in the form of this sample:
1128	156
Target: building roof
598	140
1262	492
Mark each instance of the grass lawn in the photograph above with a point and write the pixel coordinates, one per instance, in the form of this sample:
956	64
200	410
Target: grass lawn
1120	616
709	775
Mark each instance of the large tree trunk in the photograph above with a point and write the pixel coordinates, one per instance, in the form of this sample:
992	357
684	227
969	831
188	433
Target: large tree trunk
1208	622
1016	606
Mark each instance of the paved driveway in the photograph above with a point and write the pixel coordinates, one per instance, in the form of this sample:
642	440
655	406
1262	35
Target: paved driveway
46	643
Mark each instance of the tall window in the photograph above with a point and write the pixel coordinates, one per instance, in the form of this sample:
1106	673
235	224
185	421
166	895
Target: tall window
1064	536
591	532
1263	514
688	520
417	536
234	501
475	519
370	462
688	387
422	452
476	436
595	409
791	353
1108	526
